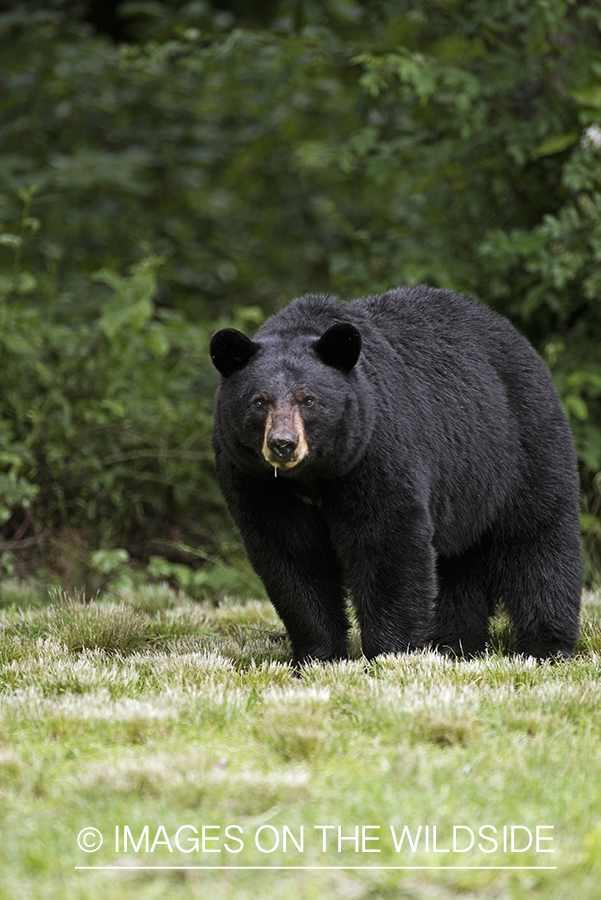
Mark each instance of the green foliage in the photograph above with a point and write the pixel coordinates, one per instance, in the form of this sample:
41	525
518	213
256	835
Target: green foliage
103	425
223	159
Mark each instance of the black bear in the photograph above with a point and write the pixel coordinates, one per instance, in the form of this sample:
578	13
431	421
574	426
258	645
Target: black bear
407	452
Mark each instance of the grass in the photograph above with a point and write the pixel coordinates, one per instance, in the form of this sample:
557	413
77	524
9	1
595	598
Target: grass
147	712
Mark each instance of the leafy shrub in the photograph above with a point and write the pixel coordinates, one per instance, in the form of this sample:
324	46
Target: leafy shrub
249	153
105	427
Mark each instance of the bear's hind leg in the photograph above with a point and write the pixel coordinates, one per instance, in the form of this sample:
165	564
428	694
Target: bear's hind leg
461	617
539	578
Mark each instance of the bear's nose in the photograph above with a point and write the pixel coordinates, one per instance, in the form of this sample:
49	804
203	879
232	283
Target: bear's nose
283	445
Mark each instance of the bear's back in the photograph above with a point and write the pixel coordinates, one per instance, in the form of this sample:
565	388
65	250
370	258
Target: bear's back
434	317
414	317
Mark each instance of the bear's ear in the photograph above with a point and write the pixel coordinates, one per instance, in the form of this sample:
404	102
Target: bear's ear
230	350
339	346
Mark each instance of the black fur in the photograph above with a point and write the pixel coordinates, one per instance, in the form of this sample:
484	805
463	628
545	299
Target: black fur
440	478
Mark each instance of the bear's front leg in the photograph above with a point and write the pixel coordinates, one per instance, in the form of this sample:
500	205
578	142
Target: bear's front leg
290	550
389	566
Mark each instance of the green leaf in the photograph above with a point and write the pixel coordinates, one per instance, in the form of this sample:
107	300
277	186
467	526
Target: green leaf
576	406
16	343
107	561
140	313
114	406
588	96
590	523
157	342
556	144
112	279
33	223
11	240
26	283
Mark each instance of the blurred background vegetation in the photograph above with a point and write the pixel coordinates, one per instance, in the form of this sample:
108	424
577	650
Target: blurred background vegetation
170	167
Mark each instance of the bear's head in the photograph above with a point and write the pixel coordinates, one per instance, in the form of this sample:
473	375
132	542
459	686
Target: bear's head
288	401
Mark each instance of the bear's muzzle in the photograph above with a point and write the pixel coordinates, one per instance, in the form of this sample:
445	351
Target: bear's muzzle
284	443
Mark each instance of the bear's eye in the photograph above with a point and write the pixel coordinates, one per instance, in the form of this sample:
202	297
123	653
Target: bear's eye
259	403
308	401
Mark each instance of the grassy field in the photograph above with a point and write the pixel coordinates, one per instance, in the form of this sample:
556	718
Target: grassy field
179	732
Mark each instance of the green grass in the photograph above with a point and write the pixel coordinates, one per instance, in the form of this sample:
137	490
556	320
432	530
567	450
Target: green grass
145	709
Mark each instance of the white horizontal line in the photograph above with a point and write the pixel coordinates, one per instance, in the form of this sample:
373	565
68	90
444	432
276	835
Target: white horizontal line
308	868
